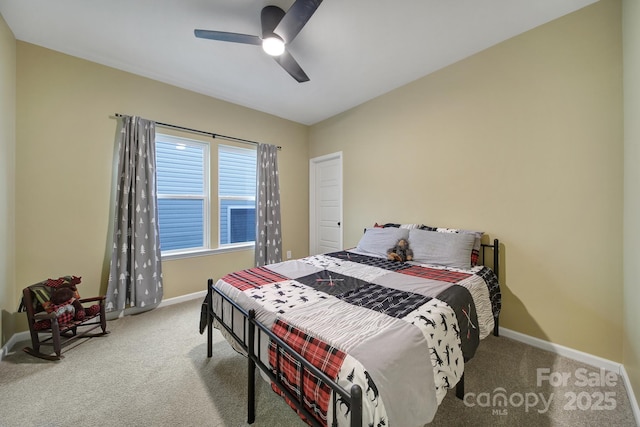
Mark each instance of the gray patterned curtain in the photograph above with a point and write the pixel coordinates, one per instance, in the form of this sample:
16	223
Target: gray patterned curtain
135	275
268	234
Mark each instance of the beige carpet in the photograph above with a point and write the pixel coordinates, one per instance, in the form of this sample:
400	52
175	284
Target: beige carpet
152	370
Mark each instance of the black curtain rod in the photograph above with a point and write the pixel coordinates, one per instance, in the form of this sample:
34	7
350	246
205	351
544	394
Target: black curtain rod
202	132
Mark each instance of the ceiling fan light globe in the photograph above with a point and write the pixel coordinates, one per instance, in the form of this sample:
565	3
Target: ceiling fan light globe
273	46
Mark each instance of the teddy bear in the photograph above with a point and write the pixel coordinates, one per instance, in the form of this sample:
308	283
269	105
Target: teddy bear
400	252
63	300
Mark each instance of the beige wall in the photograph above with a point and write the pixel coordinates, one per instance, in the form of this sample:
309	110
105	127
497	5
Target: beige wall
65	151
631	337
8	298
523	141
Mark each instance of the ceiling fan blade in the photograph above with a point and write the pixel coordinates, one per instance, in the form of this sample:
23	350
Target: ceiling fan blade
228	37
296	18
270	16
290	65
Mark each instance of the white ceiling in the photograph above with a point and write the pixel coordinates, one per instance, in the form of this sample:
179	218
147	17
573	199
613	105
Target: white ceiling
352	50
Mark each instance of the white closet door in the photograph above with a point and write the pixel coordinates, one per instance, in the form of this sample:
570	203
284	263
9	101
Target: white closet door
325	210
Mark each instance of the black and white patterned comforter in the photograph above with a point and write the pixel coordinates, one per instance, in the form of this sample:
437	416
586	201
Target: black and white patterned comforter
401	330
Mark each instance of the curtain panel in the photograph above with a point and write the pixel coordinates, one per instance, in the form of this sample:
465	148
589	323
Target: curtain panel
135	274
268	233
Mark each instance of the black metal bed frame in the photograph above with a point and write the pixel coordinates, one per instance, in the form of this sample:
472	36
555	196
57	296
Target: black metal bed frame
249	341
352	398
496	328
495	247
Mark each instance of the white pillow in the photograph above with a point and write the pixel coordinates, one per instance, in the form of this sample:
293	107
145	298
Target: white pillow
378	241
447	249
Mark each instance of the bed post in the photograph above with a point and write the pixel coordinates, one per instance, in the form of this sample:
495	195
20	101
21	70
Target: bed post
251	370
209	318
496	258
356	406
496	270
460	388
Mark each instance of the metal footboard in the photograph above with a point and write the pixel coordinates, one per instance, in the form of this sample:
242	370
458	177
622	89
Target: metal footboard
249	343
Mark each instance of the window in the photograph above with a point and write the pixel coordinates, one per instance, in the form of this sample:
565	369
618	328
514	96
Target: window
185	207
182	170
236	194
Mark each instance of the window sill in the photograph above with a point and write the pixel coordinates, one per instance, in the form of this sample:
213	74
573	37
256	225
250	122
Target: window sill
207	252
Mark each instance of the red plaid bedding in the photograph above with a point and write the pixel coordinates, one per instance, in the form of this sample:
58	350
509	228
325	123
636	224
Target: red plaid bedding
449	276
252	278
328	359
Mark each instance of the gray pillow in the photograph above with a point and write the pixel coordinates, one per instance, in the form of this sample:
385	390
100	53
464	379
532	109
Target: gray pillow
447	249
377	241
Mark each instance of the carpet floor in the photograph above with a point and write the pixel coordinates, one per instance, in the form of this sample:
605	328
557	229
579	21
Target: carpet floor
152	370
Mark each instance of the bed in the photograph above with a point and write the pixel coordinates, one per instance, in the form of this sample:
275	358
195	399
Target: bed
351	338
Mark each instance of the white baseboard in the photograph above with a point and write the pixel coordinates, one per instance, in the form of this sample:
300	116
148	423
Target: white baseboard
24	336
12	341
183	298
561	350
580	356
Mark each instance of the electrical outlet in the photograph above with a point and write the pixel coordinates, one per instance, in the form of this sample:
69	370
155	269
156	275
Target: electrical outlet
288	254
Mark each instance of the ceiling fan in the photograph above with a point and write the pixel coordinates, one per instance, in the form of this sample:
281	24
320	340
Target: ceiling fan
278	30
